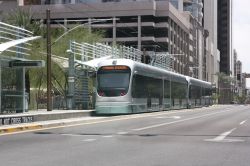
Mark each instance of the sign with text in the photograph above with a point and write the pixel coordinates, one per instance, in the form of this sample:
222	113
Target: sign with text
16	120
27	64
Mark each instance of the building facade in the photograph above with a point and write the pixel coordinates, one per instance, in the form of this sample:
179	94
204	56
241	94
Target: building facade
212	53
237	73
241	79
193	9
156	26
225	36
183	27
7	7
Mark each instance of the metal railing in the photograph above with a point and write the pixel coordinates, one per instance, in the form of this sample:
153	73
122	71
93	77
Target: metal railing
10	33
79	95
92	51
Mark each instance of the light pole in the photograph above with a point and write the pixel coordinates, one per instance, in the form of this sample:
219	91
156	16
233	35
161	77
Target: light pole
49	99
65	33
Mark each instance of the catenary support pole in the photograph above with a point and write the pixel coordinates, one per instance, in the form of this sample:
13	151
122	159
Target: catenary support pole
49	101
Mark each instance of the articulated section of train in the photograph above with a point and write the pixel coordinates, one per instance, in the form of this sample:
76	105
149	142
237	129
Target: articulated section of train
125	86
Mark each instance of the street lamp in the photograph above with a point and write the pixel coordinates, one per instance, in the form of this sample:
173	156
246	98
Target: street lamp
65	33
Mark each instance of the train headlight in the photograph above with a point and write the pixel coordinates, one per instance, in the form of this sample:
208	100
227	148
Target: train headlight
101	93
123	93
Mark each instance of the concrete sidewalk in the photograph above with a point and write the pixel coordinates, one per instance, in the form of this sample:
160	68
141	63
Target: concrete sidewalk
43	119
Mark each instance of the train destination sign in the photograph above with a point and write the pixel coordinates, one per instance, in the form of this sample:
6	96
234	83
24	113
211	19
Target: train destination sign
115	68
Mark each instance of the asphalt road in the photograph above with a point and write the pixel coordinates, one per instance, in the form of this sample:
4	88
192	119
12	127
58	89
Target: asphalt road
213	136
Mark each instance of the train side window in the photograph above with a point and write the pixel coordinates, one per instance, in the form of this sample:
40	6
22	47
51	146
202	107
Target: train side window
166	89
178	90
146	87
195	91
139	84
208	92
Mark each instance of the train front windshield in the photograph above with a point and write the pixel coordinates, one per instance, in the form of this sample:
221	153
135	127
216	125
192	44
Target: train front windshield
113	81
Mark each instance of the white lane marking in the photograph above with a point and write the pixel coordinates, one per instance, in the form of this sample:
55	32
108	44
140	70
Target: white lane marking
107	136
170	117
164	124
222	137
241	123
89	140
225	140
122	133
73	135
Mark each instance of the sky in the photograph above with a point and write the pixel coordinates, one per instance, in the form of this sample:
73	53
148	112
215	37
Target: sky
241	33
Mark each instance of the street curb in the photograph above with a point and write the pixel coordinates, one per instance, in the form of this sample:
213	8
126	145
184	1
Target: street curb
20	128
48	124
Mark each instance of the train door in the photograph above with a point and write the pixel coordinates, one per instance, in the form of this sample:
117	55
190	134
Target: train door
188	95
154	93
149	101
161	98
142	92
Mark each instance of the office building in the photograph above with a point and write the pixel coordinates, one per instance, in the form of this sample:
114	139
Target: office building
7	7
190	34
225	36
212	54
154	25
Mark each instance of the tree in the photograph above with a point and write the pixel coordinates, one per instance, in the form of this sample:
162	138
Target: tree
224	88
23	19
78	35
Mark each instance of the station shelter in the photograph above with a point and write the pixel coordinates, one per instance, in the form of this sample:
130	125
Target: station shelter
14	61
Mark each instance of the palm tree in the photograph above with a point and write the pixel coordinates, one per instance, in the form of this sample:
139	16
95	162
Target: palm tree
24	19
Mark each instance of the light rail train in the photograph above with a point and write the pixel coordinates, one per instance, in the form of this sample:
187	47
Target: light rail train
125	86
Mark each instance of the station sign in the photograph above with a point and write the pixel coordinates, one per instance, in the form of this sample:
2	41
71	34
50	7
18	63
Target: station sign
26	64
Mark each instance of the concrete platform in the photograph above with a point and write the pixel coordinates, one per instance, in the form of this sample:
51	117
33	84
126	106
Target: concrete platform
42	115
41	119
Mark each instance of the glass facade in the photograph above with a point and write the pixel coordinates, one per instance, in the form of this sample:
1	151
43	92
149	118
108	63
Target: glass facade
174	3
